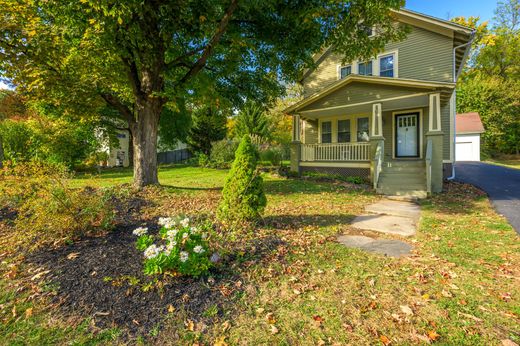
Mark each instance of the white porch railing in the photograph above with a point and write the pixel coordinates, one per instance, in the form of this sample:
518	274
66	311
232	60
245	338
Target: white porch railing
336	152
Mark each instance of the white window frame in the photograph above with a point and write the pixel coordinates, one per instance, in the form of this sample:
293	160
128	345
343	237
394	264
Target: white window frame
376	63
343	66
365	62
395	53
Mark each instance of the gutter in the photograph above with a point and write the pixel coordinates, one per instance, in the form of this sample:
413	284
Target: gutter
456	75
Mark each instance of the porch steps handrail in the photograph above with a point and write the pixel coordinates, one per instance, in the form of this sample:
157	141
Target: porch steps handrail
428	163
336	152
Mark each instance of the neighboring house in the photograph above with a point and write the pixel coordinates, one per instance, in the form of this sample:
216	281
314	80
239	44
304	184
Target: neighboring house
468	131
390	119
118	156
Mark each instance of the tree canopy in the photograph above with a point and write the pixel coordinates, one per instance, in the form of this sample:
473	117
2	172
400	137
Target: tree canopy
137	55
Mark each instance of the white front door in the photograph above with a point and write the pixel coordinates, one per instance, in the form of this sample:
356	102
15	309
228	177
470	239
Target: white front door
406	129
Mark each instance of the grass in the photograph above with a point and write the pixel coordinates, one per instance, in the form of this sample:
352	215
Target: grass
510	161
459	288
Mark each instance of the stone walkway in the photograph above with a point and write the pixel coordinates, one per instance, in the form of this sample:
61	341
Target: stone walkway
386	216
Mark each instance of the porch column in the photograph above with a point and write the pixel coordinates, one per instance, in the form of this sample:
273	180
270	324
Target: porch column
296	144
436	136
376	137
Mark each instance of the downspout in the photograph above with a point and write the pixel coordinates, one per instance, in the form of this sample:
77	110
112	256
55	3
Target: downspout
455	79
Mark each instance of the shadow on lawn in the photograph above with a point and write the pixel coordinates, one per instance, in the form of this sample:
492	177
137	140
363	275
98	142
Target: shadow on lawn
192	188
321	220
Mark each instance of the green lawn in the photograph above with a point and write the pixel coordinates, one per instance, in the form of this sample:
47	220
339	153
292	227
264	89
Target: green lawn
459	288
512	162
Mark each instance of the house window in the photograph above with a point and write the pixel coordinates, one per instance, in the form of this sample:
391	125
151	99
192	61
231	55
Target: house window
343	131
326	132
345	71
369	30
362	130
386	66
365	68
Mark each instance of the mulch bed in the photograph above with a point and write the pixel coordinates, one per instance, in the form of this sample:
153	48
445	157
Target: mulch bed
90	280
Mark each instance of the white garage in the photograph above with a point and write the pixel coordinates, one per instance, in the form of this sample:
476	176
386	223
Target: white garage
469	128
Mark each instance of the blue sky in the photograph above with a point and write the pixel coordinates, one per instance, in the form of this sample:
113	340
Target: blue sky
447	9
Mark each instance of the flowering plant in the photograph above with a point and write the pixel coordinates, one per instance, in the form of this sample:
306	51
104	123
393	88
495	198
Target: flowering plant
183	247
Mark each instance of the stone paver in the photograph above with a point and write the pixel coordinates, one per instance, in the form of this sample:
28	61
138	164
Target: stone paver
387	247
389	224
396	208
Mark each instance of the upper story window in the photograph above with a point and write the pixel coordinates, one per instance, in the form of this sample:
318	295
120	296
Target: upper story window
326	132
386	66
365	68
343	131
345	71
369	30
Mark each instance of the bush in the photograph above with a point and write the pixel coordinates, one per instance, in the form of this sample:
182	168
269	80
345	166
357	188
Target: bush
50	212
272	156
223	153
243	197
185	250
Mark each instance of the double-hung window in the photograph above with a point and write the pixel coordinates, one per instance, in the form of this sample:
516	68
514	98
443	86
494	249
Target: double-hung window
345	71
365	68
386	66
362	130
343	131
326	132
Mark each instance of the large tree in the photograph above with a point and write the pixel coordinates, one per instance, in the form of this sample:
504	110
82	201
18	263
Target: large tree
138	55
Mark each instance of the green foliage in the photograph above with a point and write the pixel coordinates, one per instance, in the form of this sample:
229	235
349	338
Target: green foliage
222	153
272	155
137	56
185	250
49	211
252	121
174	126
491	84
209	126
243	197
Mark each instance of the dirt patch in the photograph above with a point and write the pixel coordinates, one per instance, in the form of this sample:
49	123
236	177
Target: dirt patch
102	278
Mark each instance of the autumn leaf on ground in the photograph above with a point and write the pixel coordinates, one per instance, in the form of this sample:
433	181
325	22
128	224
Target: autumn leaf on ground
270	318
28	312
220	341
406	310
318	320
72	255
386	341
432	335
190	325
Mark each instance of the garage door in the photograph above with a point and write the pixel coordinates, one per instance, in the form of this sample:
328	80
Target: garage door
464	151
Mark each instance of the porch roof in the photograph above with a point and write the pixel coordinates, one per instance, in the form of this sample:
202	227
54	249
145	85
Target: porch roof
410	88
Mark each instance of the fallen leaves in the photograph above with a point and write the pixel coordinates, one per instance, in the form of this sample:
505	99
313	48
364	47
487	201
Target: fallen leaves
433	335
406	310
385	340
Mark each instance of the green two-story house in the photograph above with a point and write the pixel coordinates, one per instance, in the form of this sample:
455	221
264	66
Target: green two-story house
390	119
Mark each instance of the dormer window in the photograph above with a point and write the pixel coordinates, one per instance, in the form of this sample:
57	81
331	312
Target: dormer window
345	71
369	30
365	68
386	66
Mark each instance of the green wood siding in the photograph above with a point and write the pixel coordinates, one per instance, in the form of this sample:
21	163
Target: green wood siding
311	131
360	92
422	55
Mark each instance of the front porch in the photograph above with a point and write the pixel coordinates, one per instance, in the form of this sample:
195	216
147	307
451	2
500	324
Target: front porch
395	142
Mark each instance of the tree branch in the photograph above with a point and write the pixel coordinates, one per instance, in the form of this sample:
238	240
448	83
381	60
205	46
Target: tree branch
123	109
199	64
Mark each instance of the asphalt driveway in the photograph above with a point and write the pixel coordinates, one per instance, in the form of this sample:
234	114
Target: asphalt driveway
502	184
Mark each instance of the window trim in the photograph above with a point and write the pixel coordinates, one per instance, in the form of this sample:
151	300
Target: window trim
331	131
366	62
368	128
349	119
334	126
340	67
354	65
396	63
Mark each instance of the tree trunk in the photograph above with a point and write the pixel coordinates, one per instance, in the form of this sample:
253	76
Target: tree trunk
1	153
144	140
130	148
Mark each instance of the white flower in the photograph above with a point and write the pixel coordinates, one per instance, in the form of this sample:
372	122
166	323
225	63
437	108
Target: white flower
164	221
171	233
170	247
198	249
153	251
140	231
185	235
185	222
194	229
204	235
184	256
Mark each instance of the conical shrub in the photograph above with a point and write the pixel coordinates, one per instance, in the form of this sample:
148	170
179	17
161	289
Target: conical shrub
243	197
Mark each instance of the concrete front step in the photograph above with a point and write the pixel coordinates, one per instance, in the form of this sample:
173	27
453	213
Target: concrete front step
403	181
418	193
